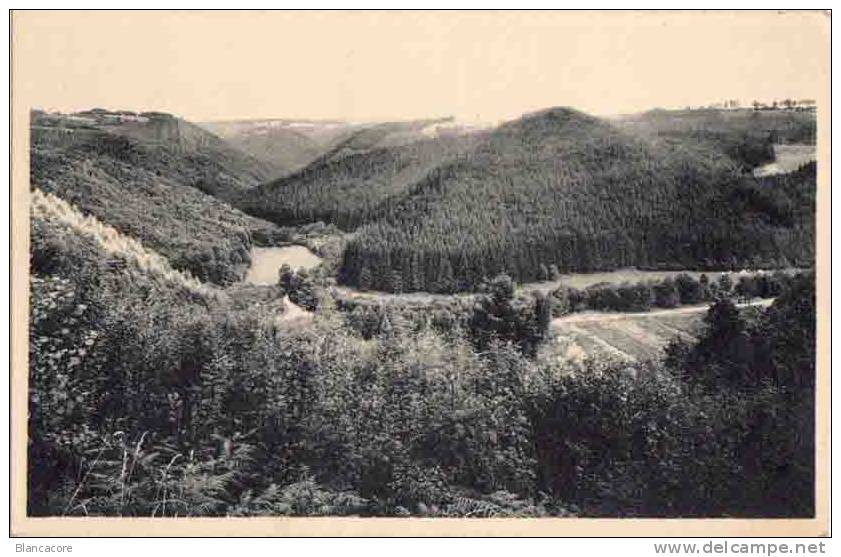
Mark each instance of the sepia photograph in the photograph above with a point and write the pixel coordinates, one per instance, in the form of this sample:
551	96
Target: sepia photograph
492	266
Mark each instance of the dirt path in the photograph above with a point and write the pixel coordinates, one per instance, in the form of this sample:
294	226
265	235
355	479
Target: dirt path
601	316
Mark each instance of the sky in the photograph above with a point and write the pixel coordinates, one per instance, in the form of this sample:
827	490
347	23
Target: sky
368	66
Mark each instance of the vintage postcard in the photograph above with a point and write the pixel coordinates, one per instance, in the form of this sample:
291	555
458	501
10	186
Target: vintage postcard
420	273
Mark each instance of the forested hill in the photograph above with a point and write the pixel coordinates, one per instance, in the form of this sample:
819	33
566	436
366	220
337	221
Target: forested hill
562	188
148	180
155	141
351	184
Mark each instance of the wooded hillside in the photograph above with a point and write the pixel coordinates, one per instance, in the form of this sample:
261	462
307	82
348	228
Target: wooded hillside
152	183
562	188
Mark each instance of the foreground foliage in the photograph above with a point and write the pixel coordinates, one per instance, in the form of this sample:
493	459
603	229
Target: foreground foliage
150	398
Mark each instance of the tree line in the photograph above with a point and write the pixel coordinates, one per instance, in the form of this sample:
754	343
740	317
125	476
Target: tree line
683	289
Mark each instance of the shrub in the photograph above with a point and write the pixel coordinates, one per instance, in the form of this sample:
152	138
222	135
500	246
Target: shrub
689	290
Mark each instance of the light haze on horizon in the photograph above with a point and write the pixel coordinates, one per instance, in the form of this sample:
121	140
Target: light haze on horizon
367	66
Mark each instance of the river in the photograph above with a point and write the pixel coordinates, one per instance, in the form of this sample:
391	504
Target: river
266	262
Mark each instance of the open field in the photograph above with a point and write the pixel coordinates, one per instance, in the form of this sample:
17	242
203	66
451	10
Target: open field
625	337
788	158
631	275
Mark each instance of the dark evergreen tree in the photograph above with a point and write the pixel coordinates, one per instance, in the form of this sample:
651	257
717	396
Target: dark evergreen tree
499	317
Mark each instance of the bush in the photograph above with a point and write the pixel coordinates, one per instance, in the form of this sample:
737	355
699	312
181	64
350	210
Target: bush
299	287
640	442
666	294
689	290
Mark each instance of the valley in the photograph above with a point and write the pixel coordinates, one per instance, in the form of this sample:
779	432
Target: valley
416	221
430	266
460	301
